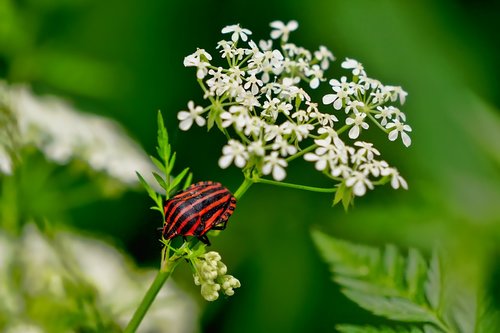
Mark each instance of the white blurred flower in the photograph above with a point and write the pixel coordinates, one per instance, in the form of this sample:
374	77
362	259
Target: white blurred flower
53	267
359	182
283	30
237	32
357	67
325	56
63	133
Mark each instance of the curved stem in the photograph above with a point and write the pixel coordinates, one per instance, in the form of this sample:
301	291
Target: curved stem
296	186
149	297
243	188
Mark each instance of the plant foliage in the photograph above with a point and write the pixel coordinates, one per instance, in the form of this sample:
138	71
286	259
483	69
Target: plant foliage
403	288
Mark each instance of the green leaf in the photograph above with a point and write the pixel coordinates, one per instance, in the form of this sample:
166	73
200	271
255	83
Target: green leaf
152	194
339	194
372	329
171	163
433	290
384	282
178	179
188	181
395	308
163	148
415	273
347	198
160	180
488	317
158	164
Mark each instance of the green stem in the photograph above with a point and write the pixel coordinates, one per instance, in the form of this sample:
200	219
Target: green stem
302	152
243	188
149	297
296	186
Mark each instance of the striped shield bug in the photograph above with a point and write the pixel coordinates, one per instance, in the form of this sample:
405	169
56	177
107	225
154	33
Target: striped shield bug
202	207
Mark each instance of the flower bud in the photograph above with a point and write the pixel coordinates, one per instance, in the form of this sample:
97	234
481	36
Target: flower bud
209	291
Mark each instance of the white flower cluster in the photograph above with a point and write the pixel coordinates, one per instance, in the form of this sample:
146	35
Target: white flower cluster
210	274
259	101
35	268
63	133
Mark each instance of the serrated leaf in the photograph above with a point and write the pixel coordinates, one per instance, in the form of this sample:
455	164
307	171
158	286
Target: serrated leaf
160	180
349	259
432	329
372	329
392	262
415	272
394	308
488	317
178	179
384	283
364	286
432	286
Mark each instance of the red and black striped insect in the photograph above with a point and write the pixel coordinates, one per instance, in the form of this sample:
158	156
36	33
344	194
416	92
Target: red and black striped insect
201	207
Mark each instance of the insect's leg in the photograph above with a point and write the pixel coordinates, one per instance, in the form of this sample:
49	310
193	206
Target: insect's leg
220	226
204	239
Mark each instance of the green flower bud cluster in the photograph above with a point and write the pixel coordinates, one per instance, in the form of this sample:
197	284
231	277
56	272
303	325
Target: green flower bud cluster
210	274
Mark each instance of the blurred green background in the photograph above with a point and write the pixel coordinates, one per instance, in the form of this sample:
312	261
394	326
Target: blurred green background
123	59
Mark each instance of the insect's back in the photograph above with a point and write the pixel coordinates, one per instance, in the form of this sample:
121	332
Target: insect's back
199	208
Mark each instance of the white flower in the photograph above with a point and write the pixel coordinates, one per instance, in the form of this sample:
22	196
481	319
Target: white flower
199	59
276	165
342	89
324	55
385	113
233	151
256	148
331	152
237	115
283	30
253	83
399	128
354	106
366	149
187	117
357	67
283	147
317	76
396	180
358	122
359	183
237	31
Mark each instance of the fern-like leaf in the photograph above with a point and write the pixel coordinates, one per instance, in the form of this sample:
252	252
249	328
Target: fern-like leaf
385	282
371	329
404	289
